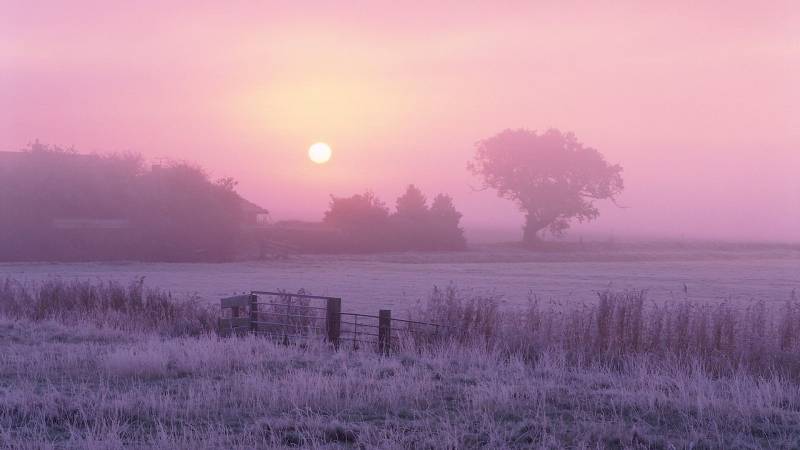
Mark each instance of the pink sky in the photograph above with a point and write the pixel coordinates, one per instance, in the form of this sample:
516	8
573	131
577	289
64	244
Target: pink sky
701	105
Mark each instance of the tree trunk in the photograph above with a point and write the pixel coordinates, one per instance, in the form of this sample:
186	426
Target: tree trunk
530	232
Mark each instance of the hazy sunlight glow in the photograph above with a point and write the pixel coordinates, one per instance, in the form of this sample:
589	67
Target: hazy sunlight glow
320	153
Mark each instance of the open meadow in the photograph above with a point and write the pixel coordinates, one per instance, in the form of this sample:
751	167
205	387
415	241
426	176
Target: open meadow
397	281
93	358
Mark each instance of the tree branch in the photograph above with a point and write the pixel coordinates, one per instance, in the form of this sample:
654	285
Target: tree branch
482	188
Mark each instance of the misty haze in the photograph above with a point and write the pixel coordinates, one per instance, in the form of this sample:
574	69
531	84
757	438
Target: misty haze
435	225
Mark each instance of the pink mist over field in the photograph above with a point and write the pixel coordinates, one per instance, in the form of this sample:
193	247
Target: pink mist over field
699	104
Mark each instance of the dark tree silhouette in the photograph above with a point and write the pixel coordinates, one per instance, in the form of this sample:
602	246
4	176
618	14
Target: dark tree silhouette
362	220
551	176
364	223
182	214
174	212
445	220
412	204
358	211
43	183
410	222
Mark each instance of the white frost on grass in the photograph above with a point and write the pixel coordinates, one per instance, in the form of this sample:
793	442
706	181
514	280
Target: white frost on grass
206	393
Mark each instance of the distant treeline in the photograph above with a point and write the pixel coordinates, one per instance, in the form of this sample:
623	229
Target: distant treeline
367	225
56	204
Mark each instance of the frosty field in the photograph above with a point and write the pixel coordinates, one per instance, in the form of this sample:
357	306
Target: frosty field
104	365
397	281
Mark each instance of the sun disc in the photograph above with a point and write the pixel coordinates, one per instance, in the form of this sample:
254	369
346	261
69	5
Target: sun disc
320	153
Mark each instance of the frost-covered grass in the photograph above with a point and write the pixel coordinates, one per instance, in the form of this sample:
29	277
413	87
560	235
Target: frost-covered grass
90	388
762	338
619	373
110	304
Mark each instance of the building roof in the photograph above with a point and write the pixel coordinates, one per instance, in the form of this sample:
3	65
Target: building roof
250	207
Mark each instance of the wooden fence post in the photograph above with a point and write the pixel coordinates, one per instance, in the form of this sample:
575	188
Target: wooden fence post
384	330
238	322
253	313
333	309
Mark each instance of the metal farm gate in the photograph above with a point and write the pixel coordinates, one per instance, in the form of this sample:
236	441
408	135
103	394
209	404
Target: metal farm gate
291	318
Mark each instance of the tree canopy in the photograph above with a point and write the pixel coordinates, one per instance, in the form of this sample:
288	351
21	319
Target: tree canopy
357	211
412	204
366	224
551	176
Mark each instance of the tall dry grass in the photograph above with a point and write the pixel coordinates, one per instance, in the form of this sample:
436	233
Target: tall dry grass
132	307
758	337
623	372
88	388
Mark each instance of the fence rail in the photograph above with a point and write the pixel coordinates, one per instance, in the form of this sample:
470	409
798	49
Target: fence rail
290	316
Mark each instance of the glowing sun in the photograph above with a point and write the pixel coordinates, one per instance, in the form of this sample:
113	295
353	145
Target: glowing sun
320	153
